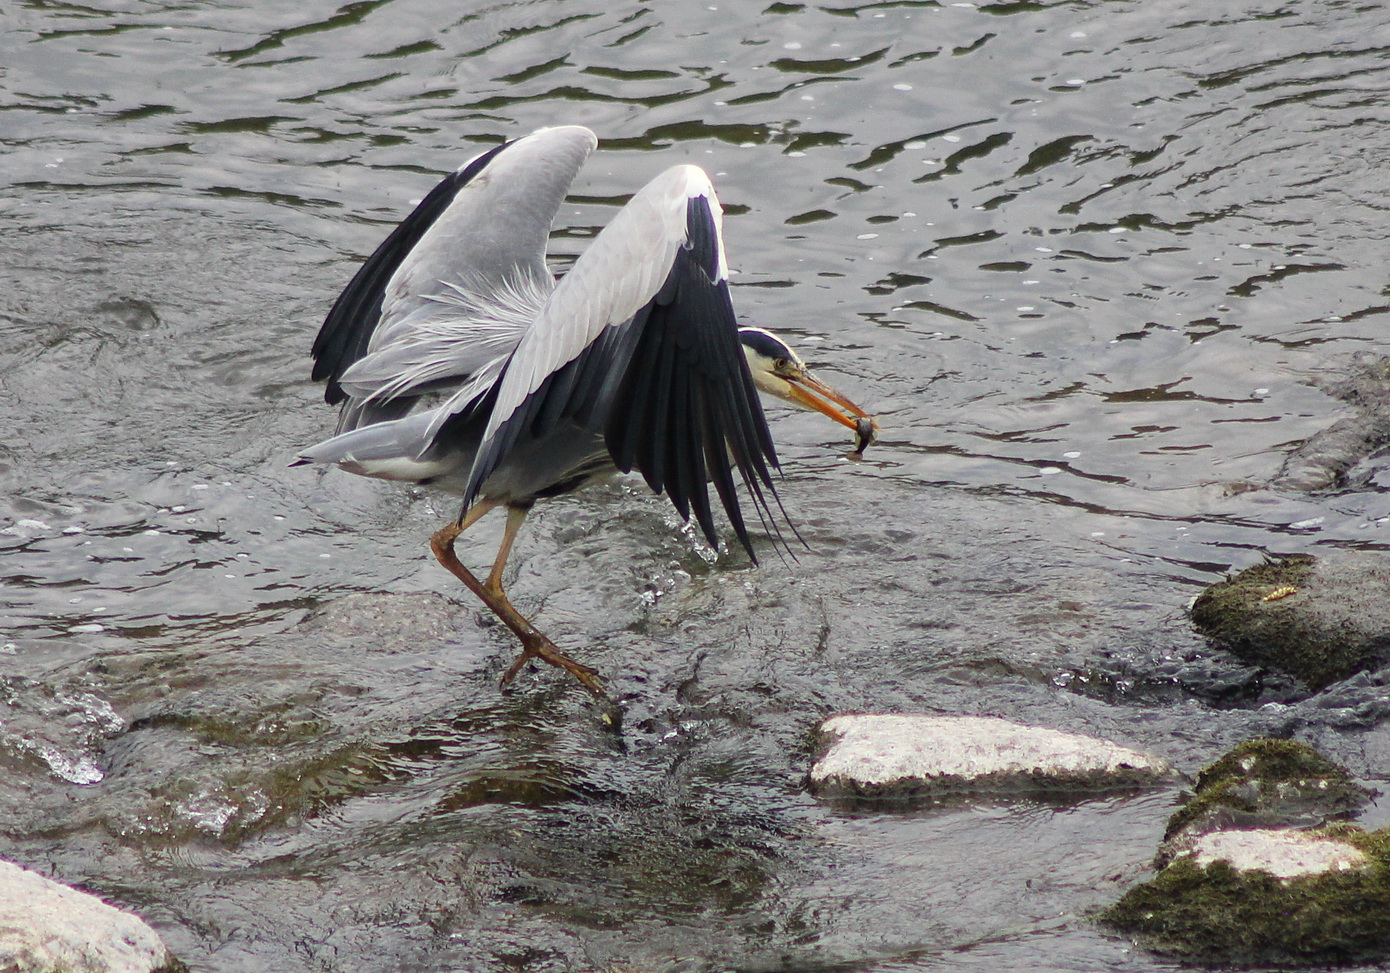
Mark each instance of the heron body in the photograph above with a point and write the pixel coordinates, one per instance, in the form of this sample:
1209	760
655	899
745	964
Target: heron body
461	363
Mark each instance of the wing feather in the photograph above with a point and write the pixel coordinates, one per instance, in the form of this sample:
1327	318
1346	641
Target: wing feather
640	341
623	269
348	328
483	228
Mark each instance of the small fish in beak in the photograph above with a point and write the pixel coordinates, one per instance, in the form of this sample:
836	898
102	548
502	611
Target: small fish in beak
865	432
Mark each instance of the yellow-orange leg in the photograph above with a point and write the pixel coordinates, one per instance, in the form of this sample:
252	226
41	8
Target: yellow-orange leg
534	645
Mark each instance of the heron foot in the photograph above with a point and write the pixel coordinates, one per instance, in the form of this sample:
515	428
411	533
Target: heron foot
546	651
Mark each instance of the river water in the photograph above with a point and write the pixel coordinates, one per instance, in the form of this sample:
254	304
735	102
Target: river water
1093	263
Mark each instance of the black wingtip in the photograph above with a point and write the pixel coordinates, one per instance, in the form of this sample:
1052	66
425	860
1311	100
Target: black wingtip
687	413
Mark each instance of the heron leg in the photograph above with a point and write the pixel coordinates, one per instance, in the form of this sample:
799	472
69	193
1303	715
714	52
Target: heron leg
491	593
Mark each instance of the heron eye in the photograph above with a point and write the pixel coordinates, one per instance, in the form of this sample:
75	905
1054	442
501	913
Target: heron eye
782	366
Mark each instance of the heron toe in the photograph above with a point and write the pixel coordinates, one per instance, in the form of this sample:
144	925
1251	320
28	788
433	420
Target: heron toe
546	651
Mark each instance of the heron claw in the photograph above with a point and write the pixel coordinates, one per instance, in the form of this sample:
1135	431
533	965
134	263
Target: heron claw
547	652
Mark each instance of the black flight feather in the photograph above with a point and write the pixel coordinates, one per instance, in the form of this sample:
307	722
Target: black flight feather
573	392
687	401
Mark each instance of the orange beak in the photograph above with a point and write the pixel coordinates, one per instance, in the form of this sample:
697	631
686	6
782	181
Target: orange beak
814	394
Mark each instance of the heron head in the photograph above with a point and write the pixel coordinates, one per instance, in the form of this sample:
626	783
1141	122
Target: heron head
780	372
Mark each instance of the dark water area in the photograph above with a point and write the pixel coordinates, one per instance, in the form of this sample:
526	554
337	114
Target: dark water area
1094	264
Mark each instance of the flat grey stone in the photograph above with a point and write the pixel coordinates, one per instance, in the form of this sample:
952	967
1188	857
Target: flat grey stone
905	755
1281	852
47	927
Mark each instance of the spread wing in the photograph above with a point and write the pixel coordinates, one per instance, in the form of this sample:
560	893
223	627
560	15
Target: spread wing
639	341
476	241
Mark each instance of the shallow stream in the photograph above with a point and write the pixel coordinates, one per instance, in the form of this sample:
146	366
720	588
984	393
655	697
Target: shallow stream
1092	262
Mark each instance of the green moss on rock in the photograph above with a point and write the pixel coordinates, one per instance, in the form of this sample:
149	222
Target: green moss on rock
1317	619
1271	759
1217	914
1267	782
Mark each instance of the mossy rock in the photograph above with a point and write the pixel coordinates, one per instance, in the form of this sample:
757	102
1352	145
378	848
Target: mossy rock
1316	619
1264	783
1216	914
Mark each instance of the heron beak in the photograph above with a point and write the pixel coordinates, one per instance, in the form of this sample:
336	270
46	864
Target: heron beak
806	390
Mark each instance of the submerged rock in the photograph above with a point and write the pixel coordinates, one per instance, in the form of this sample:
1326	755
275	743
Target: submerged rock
46	927
910	755
1325	459
1317	619
63	728
1264	784
1252	872
388	621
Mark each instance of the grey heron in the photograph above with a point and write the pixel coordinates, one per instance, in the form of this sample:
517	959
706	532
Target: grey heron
460	362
